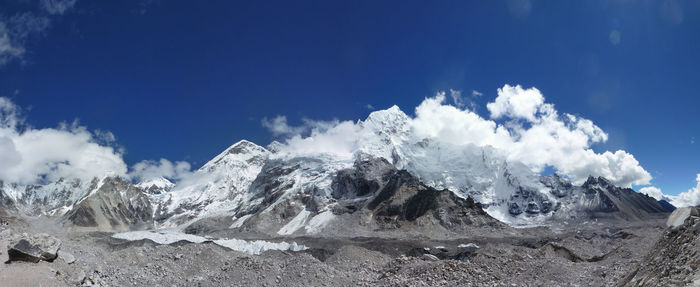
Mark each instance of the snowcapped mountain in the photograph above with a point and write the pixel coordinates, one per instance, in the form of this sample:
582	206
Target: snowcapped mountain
298	187
217	187
288	188
54	198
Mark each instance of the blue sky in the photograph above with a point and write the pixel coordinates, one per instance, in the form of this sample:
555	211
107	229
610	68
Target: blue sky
183	80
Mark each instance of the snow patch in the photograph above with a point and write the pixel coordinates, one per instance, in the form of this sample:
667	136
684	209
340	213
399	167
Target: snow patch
318	222
169	236
468	245
160	236
296	223
258	246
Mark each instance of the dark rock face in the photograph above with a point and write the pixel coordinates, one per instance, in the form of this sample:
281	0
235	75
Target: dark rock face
396	197
34	248
531	201
514	209
116	205
667	206
363	180
598	197
372	195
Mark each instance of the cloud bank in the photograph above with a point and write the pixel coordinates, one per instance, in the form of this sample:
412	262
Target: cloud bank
687	198
521	125
29	155
36	156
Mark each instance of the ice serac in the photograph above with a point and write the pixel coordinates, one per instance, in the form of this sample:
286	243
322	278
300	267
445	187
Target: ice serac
114	205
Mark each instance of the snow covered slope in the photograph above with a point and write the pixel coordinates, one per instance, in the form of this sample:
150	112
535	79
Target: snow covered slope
217	187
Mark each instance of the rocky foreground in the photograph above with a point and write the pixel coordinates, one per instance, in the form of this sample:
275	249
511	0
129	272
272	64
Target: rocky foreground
592	254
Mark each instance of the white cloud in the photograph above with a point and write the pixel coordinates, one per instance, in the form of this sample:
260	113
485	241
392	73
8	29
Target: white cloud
370	107
57	7
652	191
688	198
278	126
516	103
34	156
563	142
148	169
38	155
476	93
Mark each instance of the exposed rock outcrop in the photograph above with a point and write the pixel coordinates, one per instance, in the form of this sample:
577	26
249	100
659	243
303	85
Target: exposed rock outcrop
600	198
33	248
115	205
371	196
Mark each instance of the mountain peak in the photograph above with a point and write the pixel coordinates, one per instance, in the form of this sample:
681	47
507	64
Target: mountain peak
391	121
243	148
155	185
597	181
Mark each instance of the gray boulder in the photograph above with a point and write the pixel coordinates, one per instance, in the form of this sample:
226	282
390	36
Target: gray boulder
67	257
33	248
678	216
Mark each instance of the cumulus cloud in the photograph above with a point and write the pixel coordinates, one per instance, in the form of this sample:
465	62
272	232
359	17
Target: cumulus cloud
340	140
476	93
528	130
652	191
688	198
517	103
29	155
35	156
149	169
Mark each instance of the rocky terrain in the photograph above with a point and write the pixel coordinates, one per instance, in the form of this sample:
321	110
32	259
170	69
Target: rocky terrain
675	258
595	254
